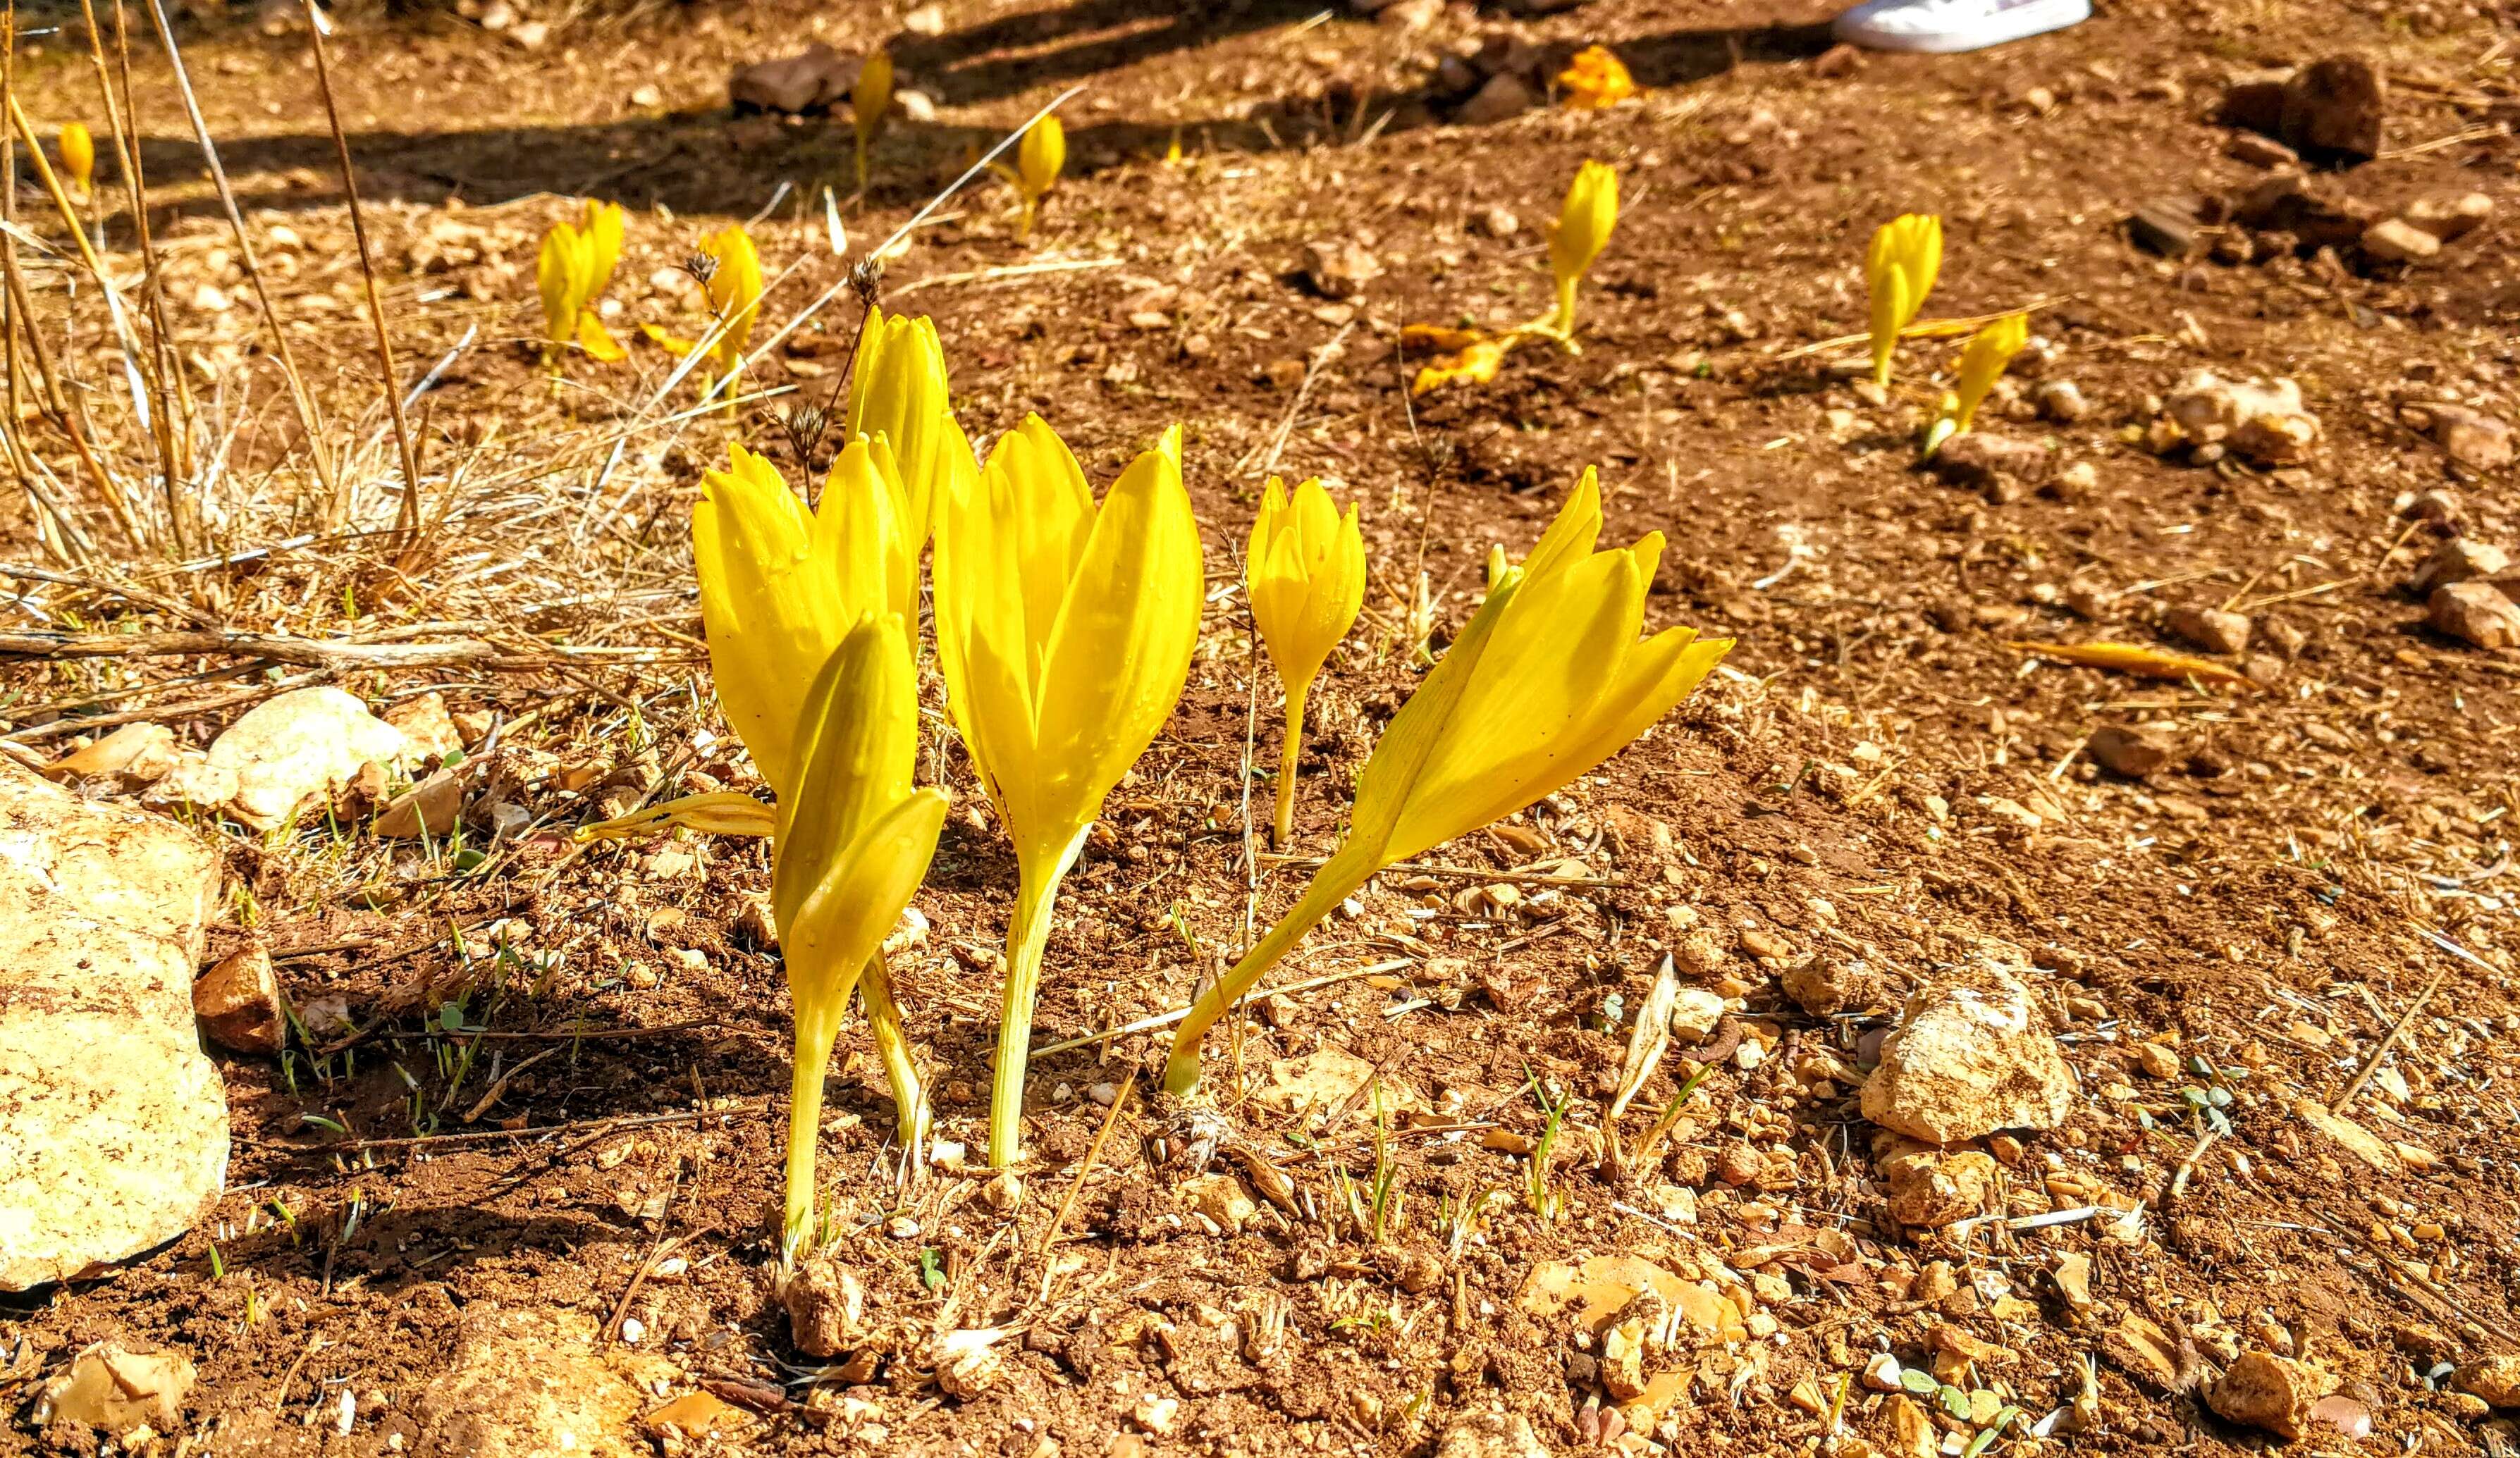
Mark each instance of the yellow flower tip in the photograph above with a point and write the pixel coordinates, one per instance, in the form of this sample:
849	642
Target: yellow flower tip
872	97
1899	264
1170	444
1982	362
1041	156
1594	78
78	152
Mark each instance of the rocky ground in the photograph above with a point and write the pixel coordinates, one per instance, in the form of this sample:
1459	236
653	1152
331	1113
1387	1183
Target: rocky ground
2077	910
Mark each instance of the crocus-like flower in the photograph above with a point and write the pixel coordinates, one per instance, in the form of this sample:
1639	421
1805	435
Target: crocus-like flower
1064	633
1900	266
868	99
1583	227
1039	159
78	152
1982	362
897	390
1546	680
854	844
1306	576
732	267
1594	78
575	266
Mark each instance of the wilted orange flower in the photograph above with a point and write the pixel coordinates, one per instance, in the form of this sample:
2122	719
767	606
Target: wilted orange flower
1594	78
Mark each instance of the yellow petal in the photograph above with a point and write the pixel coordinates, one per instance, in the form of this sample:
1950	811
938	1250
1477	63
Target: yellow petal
604	227
1984	361
840	924
862	540
1594	77
595	339
1120	652
734	291
1476	364
897	387
857	741
717	813
1306	577
671	343
771	625
1890	309
1584	224
872	95
557	270
78	152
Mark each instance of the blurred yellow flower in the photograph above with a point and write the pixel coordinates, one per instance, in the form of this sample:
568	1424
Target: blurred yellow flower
1594	78
1982	362
1039	159
1583	228
78	152
573	270
897	390
868	99
1305	572
1900	265
732	269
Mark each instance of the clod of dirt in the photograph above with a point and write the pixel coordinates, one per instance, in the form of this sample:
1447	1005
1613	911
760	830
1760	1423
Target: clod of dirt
2209	627
1595	1292
2305	210
2496	1379
426	728
1328	1081
2135	751
1222	1199
2475	612
695	1415
1931	1187
968	1362
2448	218
296	750
2061	401
1491	1434
825	1308
815	79
2274	1393
2261	150
2260	420
1971	1055
2142	1349
1979	460
1339	268
237	1001
2458	559
117	1391
118	1124
1830	985
1502	97
520	1384
133	754
2337	105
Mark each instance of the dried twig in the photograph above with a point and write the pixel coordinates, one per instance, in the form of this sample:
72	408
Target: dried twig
1093	1156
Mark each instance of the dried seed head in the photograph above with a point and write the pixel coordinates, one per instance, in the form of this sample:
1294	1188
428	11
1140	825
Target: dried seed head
702	266
864	276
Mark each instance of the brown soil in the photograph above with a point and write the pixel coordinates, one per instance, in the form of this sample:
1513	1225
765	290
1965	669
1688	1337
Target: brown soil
1879	776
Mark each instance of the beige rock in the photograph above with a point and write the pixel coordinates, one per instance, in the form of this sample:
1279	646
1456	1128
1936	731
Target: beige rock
1912	1433
1222	1197
1828	985
135	754
2451	219
2134	751
116	1136
2265	1391
1597	1291
695	1415
2357	1140
1623	1360
1491	1434
1339	268
1971	1055
2459	560
1930	1188
433	807
2144	1351
2475	612
1327	1080
2209	628
2157	1060
2496	1379
237	1001
2396	240
297	749
2264	421
117	1391
1694	1012
531	1384
192	782
426	728
968	1362
2470	438
1502	95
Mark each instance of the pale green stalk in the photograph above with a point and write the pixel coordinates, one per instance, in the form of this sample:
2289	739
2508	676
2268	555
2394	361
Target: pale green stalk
1332	884
892	1045
1283	828
815	1034
1027	939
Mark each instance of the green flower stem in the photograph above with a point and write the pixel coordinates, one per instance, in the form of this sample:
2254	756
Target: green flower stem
1027	936
1283	828
1340	875
892	1045
816	1032
1565	322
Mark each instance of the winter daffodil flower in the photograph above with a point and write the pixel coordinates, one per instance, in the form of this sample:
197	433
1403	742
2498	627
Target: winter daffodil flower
728	264
1582	228
1064	633
1546	680
1900	267
897	390
1039	159
806	615
1306	577
1982	362
78	152
1595	79
868	99
573	270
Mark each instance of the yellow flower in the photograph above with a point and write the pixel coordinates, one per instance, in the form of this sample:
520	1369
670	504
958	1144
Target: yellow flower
1546	680
1064	635
868	99
1982	362
78	152
1039	159
1474	363
855	844
779	586
1594	78
897	390
1583	227
1306	576
734	271
573	270
1900	265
